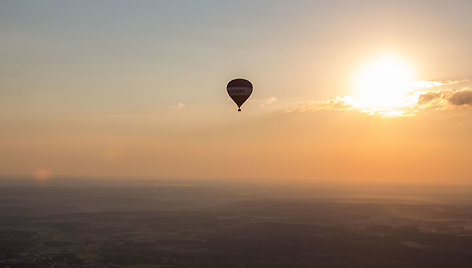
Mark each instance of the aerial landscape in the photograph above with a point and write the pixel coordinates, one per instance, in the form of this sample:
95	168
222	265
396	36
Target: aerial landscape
235	133
97	223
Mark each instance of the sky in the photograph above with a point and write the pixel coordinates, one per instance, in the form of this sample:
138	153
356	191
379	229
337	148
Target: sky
343	90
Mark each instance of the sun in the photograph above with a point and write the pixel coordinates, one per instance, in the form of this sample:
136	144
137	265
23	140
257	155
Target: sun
383	83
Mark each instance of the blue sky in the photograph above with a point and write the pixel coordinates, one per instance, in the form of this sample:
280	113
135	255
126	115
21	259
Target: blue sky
182	51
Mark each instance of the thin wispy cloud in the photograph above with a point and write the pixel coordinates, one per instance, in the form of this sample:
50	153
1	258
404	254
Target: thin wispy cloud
177	107
271	100
345	103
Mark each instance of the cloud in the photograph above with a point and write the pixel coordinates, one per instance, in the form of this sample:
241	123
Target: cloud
424	95
461	98
428	97
271	100
347	103
449	96
336	104
178	107
269	103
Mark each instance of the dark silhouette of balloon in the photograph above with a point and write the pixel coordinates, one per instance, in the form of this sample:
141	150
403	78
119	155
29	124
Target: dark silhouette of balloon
239	90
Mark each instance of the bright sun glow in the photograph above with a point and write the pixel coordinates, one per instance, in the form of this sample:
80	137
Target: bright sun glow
384	83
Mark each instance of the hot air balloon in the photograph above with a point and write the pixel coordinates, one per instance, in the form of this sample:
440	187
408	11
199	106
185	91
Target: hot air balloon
239	90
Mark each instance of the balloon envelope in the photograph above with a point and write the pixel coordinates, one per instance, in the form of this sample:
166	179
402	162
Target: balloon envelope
239	90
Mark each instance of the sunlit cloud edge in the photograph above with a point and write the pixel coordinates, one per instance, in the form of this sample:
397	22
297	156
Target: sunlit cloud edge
424	95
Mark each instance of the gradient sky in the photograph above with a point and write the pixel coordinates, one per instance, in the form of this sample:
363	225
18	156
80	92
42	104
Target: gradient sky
137	88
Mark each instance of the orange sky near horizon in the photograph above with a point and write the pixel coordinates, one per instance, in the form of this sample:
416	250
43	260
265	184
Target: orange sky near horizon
329	145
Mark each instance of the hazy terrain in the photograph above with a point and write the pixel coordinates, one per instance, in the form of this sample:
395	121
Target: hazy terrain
232	223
